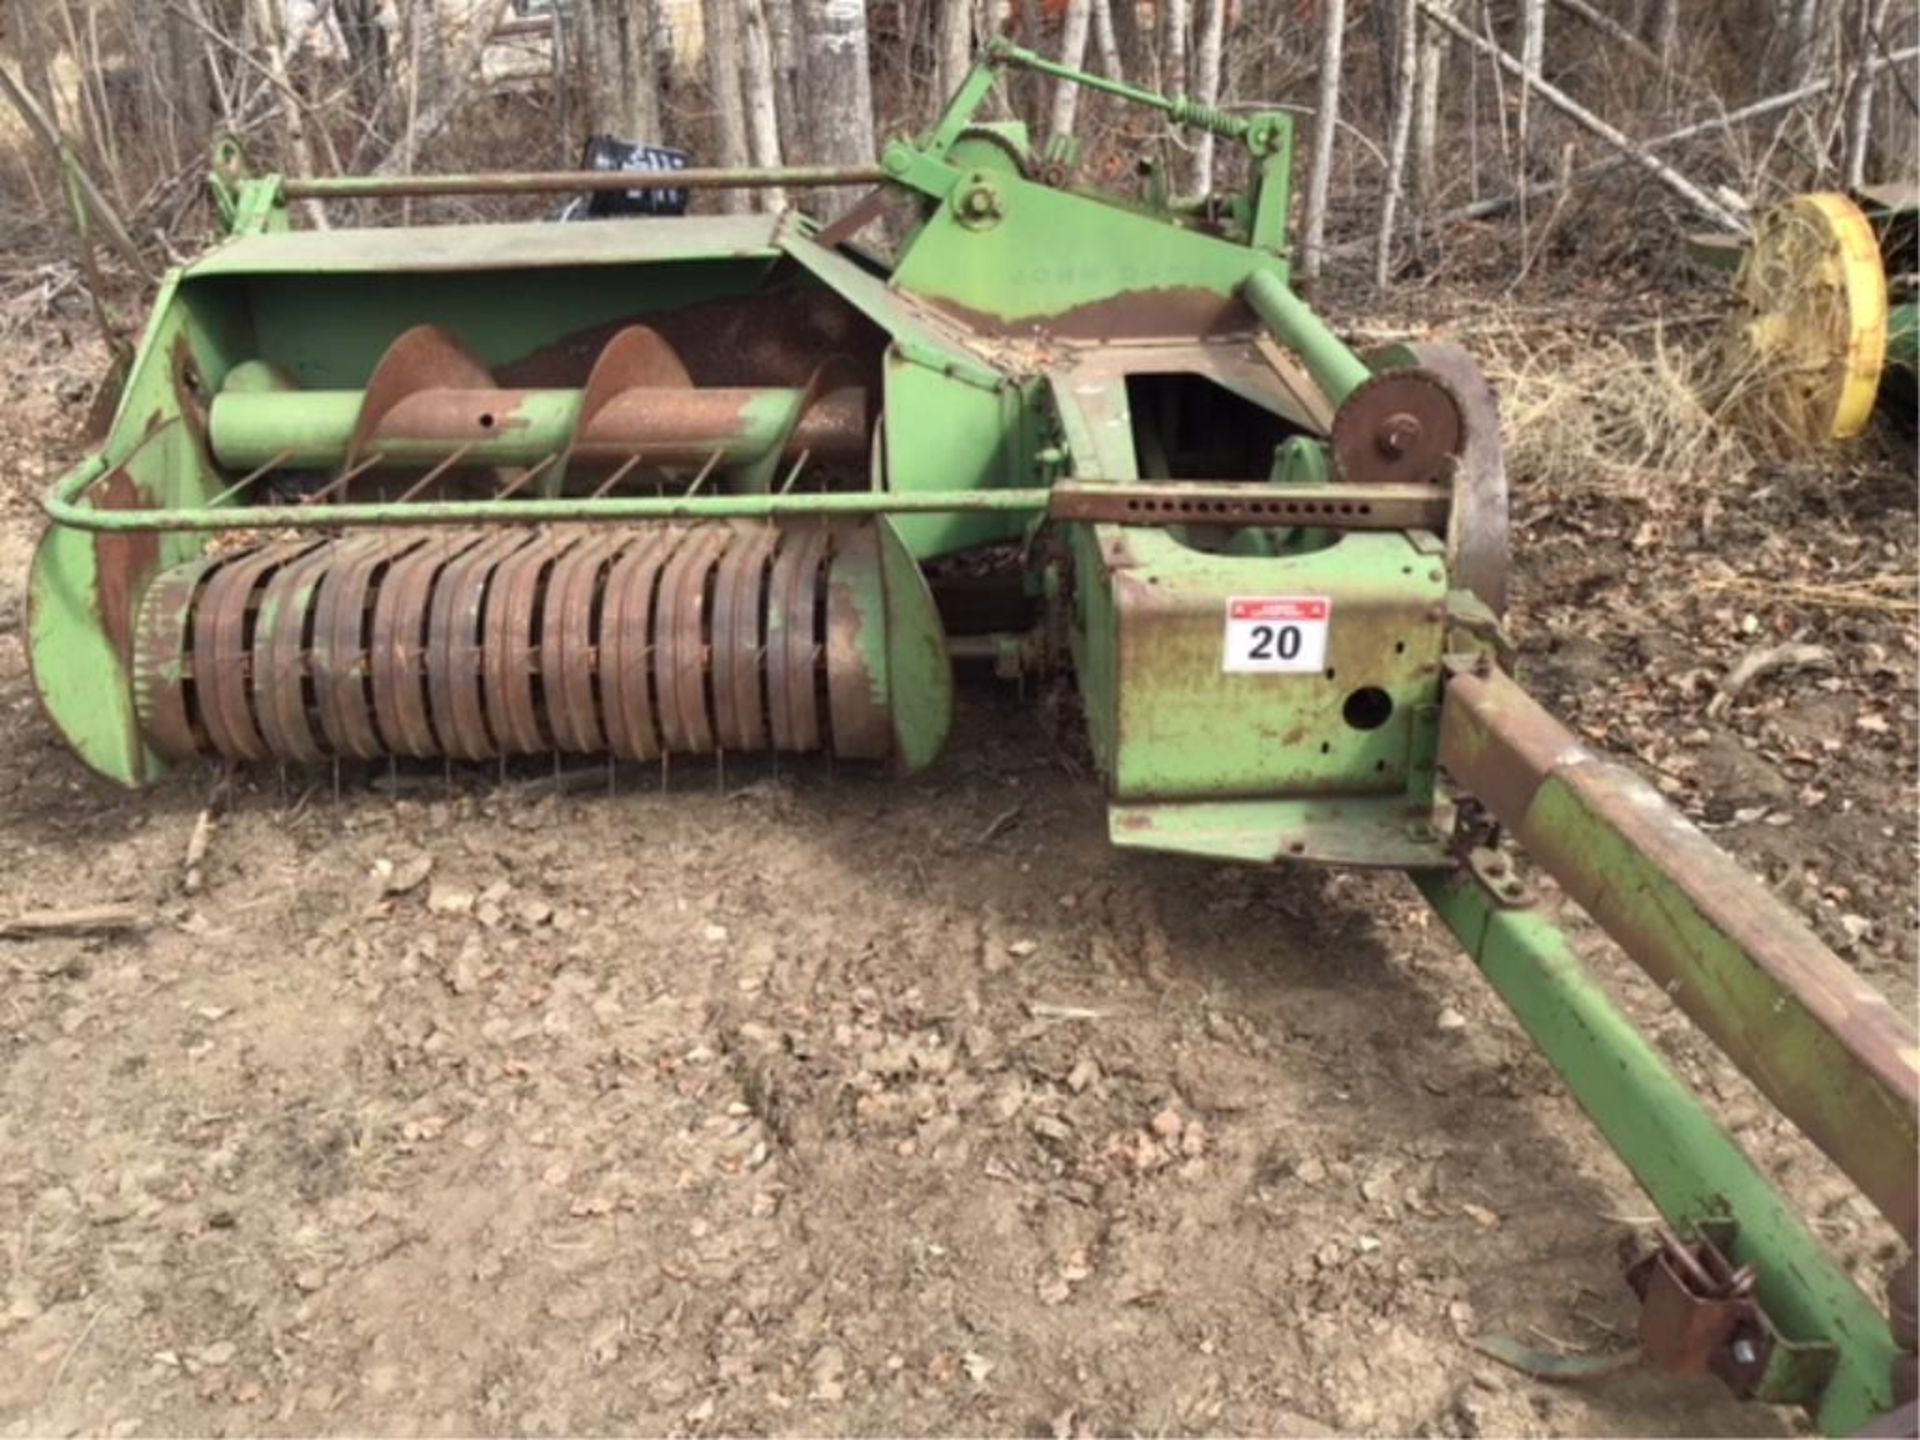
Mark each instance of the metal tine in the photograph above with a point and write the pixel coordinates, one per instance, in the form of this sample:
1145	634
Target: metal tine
794	473
525	477
339	482
247	479
626	469
707	469
434	474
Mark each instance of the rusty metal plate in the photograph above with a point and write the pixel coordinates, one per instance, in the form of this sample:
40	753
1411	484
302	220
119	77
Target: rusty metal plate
1338	507
423	359
399	641
739	643
343	643
568	662
792	639
681	653
163	659
222	659
1401	427
509	658
859	721
626	645
280	655
454	648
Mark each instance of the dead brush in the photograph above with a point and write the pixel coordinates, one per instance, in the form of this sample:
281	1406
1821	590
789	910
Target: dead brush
1634	416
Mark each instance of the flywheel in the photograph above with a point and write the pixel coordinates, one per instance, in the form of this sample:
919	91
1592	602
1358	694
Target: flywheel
1808	336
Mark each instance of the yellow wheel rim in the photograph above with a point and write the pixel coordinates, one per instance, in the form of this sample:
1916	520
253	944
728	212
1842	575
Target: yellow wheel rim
1809	331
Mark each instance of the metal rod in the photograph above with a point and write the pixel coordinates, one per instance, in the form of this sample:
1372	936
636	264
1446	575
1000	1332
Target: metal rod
1821	1043
434	474
64	506
626	468
511	182
1186	112
274	463
340	482
1686	1163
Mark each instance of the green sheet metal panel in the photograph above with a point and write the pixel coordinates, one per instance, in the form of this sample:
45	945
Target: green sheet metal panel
518	245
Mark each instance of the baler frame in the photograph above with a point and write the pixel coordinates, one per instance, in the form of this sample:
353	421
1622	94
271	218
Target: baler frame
1737	1285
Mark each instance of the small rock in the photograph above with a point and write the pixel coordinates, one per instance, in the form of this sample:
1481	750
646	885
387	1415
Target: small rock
444	899
1084	1073
533	912
407	875
978	1367
1021	949
715	934
1167	1124
1450	1019
1310	1171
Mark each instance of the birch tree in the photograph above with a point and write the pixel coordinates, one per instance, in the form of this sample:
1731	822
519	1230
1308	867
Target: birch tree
1406	60
1206	78
838	81
953	47
1326	122
1073	54
763	124
722	22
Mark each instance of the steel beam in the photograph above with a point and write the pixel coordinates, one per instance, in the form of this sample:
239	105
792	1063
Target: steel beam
1820	1042
1692	1170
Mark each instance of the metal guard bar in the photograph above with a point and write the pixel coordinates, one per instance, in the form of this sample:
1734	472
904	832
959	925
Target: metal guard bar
1371	507
1821	1043
569	182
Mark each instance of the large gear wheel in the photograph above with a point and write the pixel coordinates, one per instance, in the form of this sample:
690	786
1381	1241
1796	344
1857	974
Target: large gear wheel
1808	337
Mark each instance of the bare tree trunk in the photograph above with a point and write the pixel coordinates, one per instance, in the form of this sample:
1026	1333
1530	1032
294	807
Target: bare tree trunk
1326	123
953	47
722	20
1666	32
1106	46
1873	17
837	78
1533	44
1429	84
1406	58
1213	31
1131	36
1178	15
462	66
639	73
1073	54
290	106
763	122
783	23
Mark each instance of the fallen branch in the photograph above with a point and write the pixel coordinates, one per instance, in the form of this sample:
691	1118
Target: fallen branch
88	920
1638	154
1766	660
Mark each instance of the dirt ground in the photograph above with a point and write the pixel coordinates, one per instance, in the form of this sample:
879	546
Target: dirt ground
803	1100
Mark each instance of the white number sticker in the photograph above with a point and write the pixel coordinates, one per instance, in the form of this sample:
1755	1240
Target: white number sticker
1277	634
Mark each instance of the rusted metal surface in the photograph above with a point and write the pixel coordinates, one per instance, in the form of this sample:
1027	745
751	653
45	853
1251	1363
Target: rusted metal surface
739	642
1342	507
1403	427
509	645
342	640
423	360
1820	1042
1478	542
644	642
680	650
1698	1314
161	664
222	660
858	715
569	679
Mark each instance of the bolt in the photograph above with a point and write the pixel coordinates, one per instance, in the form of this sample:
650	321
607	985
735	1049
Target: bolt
1397	434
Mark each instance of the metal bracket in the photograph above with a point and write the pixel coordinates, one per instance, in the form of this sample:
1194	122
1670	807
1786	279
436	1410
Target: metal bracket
1502	881
1699	1315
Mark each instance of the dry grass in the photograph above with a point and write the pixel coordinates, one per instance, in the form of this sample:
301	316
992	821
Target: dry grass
1634	416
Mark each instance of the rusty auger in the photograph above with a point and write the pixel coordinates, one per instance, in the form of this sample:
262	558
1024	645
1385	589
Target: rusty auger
723	484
